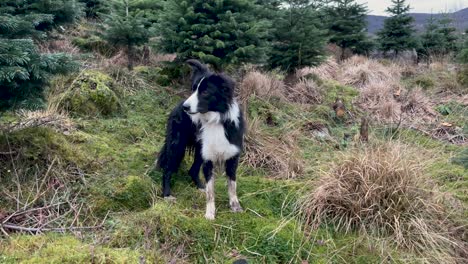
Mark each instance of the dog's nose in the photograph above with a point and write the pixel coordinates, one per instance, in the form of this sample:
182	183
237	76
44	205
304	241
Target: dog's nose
186	107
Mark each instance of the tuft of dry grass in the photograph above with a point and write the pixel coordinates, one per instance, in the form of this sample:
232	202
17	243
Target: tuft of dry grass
379	99
360	71
280	156
305	91
262	85
382	191
50	117
61	45
328	70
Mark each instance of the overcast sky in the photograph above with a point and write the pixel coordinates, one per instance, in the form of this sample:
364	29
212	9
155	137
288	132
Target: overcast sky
377	7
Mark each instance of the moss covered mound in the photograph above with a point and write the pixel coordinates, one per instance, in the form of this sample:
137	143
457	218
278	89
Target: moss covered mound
92	93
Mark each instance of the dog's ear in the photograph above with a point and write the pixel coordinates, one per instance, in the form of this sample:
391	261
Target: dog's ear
197	67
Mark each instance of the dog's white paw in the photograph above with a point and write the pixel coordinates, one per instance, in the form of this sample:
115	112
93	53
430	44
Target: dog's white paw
210	216
170	198
203	190
236	208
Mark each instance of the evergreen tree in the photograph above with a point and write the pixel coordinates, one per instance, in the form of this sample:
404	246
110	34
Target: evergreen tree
397	33
432	41
448	32
23	70
347	26
217	32
299	39
463	55
94	8
126	29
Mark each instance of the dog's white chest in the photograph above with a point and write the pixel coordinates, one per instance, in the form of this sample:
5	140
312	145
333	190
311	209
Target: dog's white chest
215	145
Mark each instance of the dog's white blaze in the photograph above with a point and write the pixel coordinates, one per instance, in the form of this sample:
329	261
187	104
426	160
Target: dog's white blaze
192	101
210	202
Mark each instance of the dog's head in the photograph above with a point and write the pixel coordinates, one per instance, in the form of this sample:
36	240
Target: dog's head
211	92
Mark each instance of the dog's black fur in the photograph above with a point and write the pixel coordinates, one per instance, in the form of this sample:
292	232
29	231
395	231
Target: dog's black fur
184	132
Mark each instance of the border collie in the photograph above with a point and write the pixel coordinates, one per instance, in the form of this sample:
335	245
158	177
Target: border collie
209	125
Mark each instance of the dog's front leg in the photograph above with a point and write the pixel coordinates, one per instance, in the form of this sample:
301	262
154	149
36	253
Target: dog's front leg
210	199
231	168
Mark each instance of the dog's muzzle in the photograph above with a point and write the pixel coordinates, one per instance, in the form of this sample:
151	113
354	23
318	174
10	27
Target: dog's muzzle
187	109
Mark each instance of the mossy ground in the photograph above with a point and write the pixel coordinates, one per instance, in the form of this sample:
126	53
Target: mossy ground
120	149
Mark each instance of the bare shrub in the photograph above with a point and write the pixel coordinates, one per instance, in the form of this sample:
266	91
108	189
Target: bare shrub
382	191
305	92
360	71
262	85
328	70
281	156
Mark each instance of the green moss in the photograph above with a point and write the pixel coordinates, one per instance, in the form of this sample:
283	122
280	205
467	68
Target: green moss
92	93
57	249
125	193
334	90
38	144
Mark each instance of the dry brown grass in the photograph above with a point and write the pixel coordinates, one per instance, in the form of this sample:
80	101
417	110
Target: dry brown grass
50	117
328	70
382	191
379	99
305	91
55	46
360	71
259	84
280	156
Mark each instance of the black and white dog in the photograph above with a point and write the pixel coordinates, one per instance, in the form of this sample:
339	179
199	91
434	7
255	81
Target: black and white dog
210	125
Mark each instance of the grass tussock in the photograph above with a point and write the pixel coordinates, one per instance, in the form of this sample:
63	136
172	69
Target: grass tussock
262	85
305	91
328	70
360	71
280	156
382	191
50	117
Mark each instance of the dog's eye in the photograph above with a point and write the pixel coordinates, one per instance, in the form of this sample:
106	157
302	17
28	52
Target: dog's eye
204	92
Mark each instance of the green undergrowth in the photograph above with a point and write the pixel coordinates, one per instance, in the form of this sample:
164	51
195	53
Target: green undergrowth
117	154
55	248
266	232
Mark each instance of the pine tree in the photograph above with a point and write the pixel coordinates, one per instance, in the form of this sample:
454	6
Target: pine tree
94	8
299	39
126	29
347	26
463	54
216	32
432	41
23	70
397	33
448	32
